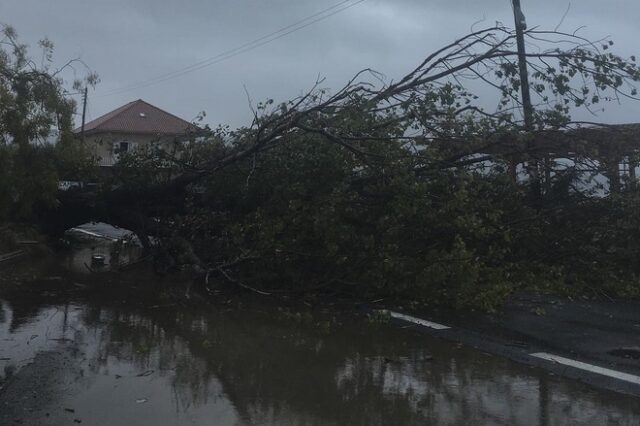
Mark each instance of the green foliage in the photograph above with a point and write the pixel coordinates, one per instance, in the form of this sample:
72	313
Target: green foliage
311	216
31	97
593	248
74	161
33	104
28	180
386	192
379	316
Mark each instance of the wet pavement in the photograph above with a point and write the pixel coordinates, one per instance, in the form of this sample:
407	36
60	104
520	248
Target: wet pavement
596	341
107	363
115	362
112	349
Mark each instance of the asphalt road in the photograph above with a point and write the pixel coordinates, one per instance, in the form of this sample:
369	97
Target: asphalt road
594	341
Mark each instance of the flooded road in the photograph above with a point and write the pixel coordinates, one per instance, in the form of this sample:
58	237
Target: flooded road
116	363
71	355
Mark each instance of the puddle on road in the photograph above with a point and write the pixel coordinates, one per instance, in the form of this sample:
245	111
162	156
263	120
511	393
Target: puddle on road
104	362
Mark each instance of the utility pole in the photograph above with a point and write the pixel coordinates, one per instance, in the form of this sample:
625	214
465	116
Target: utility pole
84	112
521	26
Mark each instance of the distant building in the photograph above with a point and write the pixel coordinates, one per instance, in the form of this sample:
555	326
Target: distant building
132	126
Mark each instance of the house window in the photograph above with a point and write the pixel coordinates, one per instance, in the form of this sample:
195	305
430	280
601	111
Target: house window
122	147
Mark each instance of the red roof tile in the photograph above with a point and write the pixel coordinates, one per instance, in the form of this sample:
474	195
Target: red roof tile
139	117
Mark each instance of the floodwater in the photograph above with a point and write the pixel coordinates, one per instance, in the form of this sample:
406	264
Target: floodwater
71	355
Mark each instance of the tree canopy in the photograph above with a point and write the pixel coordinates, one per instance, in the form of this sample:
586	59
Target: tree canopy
397	189
34	106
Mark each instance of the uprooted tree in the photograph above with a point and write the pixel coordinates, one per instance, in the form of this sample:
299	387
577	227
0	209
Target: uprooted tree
406	188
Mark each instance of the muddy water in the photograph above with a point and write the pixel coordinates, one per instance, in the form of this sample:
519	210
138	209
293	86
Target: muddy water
69	355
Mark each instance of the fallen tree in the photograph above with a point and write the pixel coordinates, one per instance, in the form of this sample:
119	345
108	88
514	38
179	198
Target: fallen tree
400	188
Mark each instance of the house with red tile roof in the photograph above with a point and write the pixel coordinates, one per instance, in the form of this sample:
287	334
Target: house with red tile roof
132	126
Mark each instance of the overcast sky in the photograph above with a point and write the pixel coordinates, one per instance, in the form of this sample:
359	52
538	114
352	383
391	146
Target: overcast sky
128	42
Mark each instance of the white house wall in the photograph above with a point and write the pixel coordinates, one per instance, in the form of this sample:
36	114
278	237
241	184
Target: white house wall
103	144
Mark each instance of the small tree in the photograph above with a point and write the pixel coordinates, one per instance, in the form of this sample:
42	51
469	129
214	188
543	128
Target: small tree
33	104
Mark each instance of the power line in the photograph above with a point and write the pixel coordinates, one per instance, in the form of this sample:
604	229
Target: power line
261	41
238	50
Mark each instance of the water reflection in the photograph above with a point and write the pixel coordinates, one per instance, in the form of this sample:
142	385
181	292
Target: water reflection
131	364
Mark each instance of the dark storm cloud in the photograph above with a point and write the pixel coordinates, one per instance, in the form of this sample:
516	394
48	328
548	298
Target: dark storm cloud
128	42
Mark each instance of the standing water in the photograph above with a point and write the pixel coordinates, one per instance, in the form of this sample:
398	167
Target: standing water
69	353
